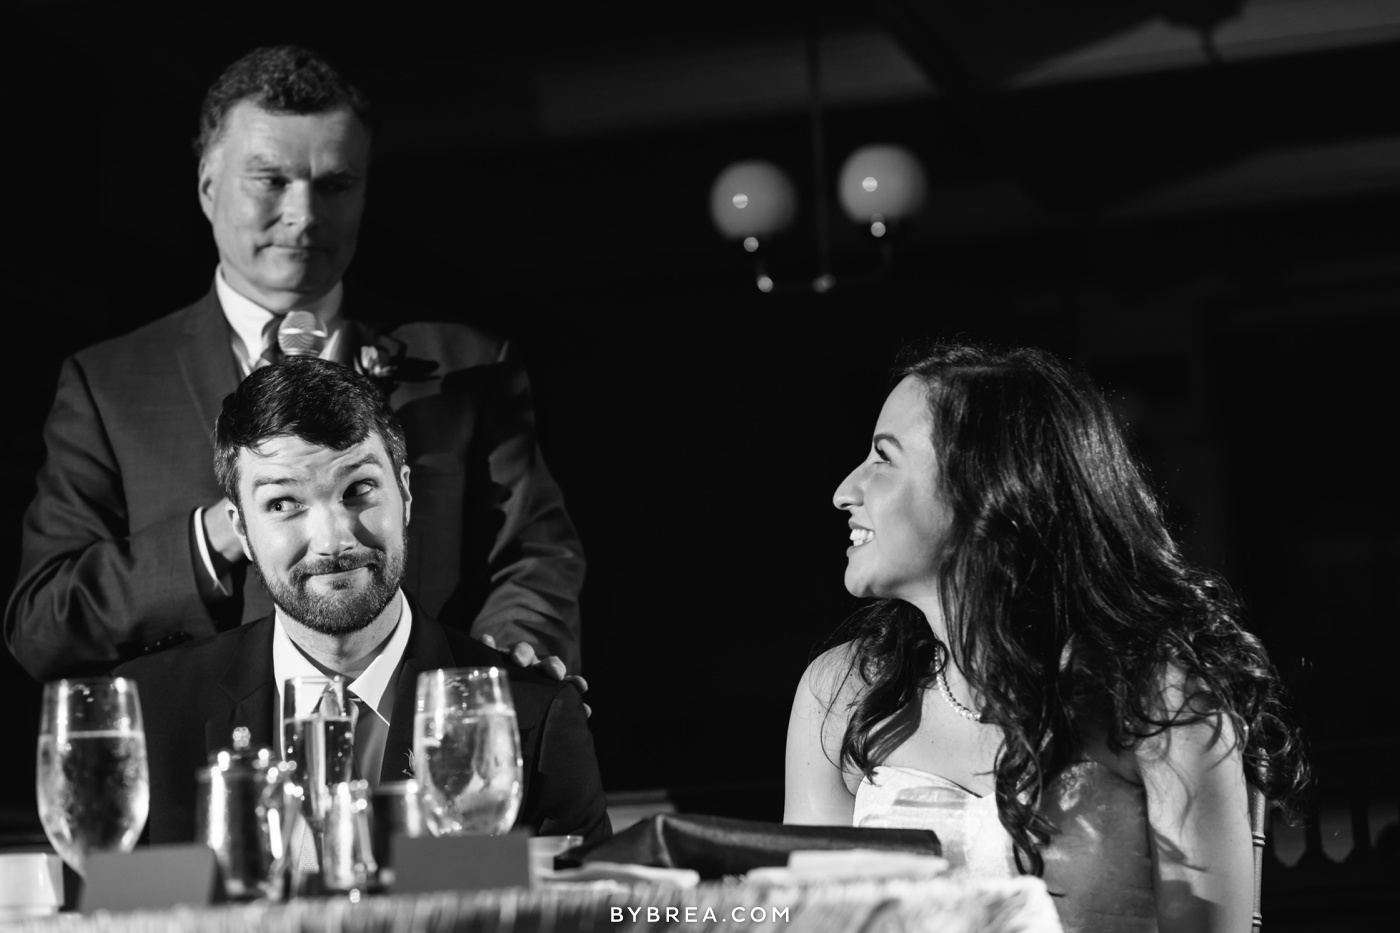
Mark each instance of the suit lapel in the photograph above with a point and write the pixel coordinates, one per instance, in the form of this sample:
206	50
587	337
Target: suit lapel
206	359
427	650
252	695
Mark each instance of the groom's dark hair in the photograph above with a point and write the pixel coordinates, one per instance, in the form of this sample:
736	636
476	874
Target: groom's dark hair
283	79
320	402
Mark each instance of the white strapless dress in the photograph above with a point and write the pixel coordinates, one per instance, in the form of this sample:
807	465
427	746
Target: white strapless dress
1098	866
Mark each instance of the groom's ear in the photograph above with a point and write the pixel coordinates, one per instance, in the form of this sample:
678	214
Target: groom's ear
235	518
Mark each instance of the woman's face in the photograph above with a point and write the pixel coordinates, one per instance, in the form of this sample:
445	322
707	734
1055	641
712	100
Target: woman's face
897	519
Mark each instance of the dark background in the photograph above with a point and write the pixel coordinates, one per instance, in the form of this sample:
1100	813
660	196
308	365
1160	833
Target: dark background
1216	243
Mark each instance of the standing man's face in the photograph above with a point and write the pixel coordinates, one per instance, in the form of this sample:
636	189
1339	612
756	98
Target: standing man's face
284	194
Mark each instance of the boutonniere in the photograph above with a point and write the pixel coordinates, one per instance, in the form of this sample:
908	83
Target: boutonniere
376	363
410	771
390	368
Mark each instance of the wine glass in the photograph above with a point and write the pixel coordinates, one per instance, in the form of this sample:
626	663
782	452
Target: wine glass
93	784
466	751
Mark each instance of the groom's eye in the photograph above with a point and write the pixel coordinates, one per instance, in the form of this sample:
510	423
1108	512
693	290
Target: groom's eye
360	489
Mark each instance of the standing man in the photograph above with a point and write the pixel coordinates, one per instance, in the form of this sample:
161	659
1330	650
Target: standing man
314	467
127	547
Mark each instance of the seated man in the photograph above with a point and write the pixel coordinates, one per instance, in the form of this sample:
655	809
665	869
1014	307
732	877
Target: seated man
312	461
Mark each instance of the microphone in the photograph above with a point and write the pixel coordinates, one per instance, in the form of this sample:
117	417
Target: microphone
301	333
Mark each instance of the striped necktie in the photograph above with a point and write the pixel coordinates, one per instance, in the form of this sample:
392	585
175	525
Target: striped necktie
271	351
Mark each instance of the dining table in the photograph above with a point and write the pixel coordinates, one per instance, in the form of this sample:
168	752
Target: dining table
947	903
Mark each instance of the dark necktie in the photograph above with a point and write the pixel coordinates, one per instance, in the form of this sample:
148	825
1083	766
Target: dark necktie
363	718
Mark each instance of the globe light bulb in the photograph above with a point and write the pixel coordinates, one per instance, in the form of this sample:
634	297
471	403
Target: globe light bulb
882	180
752	199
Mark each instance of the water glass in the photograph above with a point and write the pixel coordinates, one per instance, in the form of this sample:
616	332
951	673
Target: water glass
92	780
466	751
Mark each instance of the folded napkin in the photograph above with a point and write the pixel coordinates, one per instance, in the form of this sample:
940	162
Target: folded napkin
717	846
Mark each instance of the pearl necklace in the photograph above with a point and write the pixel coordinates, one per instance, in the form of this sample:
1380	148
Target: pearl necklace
963	711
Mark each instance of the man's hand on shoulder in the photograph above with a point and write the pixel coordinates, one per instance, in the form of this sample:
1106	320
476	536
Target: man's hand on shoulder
523	654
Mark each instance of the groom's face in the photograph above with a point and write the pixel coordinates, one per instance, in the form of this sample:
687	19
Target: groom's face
325	528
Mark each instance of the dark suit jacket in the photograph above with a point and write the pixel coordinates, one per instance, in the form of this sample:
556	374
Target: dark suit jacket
109	569
194	696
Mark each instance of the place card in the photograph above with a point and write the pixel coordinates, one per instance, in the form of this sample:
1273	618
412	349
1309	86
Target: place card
424	864
152	878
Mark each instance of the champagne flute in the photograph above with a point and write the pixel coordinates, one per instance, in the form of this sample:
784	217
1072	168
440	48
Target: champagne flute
92	780
318	733
466	751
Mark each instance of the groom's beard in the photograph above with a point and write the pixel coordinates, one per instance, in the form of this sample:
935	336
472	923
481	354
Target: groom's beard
346	608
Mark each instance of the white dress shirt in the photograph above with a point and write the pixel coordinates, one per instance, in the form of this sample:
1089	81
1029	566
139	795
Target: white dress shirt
376	686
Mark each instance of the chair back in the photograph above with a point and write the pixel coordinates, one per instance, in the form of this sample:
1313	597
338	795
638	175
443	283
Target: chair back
1258	812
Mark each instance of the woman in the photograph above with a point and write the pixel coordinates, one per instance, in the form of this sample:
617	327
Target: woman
1042	680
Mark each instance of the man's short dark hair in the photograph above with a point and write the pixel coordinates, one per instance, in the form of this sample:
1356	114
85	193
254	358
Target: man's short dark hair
320	402
282	79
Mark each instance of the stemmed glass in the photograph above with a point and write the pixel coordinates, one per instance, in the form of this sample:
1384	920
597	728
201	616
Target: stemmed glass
93	784
466	751
318	733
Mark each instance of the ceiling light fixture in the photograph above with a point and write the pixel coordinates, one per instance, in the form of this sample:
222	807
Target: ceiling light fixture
753	201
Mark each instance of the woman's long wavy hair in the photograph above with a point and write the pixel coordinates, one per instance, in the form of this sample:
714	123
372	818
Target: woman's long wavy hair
1066	599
